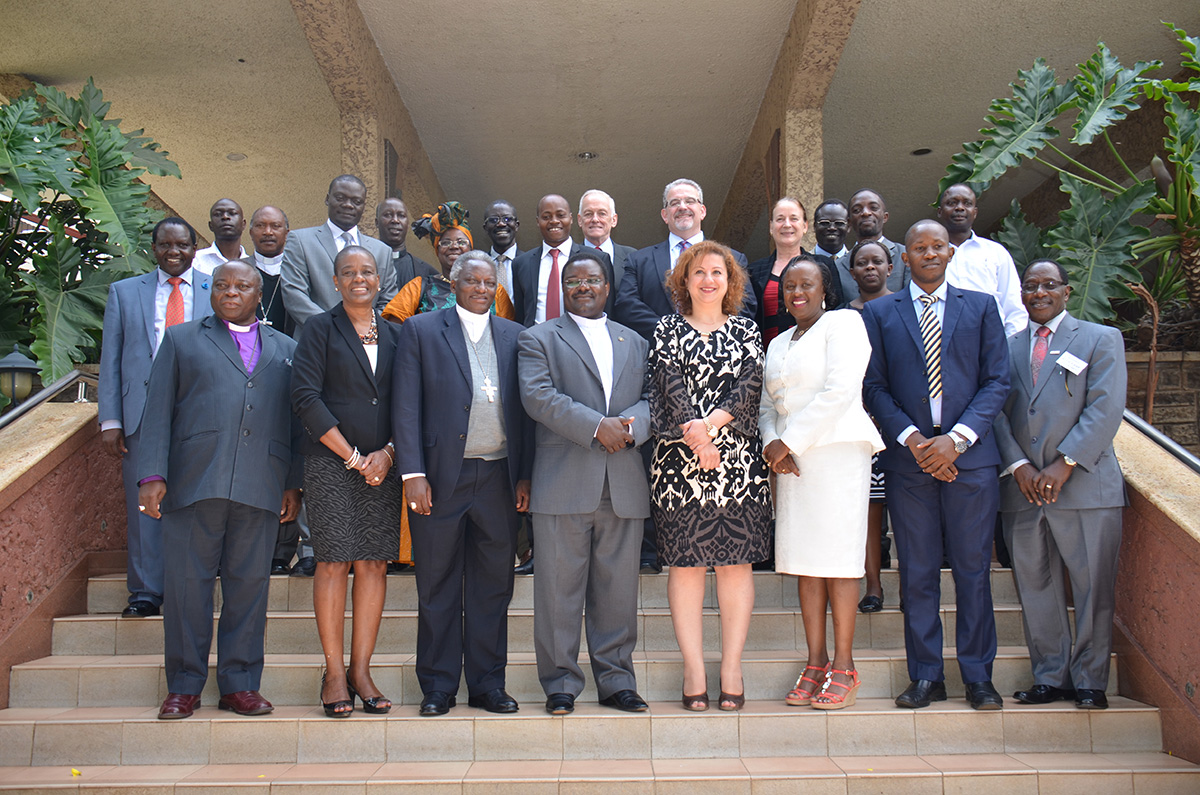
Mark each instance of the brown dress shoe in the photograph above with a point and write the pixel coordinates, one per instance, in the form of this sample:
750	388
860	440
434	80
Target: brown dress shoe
178	705
245	702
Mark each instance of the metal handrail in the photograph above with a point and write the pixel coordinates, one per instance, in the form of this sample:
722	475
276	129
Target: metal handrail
49	393
1185	456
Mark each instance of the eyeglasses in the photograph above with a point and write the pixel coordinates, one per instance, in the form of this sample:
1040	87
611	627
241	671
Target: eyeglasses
686	201
448	244
572	284
1032	287
832	225
496	220
472	282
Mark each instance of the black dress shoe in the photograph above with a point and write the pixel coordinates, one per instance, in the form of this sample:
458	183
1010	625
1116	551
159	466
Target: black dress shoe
625	700
524	568
396	567
560	703
1090	699
982	695
305	567
921	693
494	701
279	566
436	702
650	567
870	604
140	609
1043	694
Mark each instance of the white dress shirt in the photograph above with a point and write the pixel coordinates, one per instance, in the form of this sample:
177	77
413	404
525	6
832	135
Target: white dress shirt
985	266
595	331
504	260
564	249
606	247
207	259
673	241
935	403
818	250
340	241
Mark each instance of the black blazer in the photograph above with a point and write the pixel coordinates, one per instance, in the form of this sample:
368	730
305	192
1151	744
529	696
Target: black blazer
432	399
644	299
332	383
526	268
760	274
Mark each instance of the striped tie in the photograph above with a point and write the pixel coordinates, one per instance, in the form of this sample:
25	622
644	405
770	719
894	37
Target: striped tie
931	338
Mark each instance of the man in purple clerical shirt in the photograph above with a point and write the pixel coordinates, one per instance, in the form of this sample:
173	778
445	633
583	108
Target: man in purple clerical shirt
221	470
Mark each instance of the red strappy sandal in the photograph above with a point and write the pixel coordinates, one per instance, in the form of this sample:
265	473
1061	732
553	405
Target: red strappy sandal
802	695
827	699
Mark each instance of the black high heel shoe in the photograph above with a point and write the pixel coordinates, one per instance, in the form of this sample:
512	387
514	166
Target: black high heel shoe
370	704
331	709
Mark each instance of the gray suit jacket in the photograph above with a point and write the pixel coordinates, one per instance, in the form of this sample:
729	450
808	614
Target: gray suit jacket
214	431
563	394
307	272
896	282
1076	415
128	344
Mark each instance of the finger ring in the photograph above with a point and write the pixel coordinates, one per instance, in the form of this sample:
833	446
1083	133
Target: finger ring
376	480
412	505
141	507
1049	486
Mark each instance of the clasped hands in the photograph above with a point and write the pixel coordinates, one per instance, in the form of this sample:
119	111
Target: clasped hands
779	458
1042	488
615	433
695	436
935	456
374	467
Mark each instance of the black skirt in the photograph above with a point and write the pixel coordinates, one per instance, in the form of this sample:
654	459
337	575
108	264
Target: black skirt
350	520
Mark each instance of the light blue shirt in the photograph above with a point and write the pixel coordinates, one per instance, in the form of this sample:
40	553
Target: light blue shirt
673	241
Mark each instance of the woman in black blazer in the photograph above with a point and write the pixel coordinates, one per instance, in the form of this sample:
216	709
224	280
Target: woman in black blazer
341	390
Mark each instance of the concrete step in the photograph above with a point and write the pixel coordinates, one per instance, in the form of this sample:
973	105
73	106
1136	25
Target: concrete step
107	594
1109	773
295	632
871	728
293	679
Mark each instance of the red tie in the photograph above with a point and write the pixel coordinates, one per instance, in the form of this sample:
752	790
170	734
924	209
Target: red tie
174	302
553	287
1039	352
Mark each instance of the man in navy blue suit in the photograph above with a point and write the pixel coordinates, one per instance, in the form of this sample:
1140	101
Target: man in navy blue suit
938	377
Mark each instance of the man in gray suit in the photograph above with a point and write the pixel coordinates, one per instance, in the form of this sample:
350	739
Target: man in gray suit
138	312
583	383
219	467
868	214
1062	504
597	217
308	288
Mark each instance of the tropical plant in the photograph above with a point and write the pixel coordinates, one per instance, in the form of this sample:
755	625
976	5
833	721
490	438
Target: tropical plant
76	222
1096	237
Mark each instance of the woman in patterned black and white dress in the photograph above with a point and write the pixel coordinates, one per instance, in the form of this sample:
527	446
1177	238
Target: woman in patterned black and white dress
342	392
710	491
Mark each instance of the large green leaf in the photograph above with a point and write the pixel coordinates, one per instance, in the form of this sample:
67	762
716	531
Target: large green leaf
142	152
70	313
14	323
1022	239
1105	92
111	192
1191	47
1093	238
1021	125
1183	143
33	157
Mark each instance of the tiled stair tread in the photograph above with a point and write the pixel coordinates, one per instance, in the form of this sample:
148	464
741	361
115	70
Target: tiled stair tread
1140	772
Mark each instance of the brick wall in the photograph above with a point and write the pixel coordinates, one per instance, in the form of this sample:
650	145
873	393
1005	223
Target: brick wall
1176	398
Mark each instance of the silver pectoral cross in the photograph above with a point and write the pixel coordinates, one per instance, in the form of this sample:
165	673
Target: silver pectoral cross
489	389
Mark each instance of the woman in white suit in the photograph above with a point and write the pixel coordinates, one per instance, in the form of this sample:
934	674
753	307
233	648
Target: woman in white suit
818	440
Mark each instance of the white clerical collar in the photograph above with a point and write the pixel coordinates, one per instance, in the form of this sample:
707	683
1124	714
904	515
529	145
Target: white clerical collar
674	240
269	265
589	322
473	324
186	276
241	329
337	232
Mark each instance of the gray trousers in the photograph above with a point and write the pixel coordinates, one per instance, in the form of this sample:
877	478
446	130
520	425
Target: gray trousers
200	539
586	562
144	542
1042	542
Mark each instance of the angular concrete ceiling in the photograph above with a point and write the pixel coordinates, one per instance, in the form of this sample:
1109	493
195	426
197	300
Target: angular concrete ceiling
504	96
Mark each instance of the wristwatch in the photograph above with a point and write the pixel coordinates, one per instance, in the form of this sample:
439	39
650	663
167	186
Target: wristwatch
960	442
708	426
1069	461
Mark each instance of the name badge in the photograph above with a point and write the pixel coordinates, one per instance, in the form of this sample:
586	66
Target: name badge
1070	361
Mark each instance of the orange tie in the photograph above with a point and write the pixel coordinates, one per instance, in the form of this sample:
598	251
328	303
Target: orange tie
174	302
553	287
